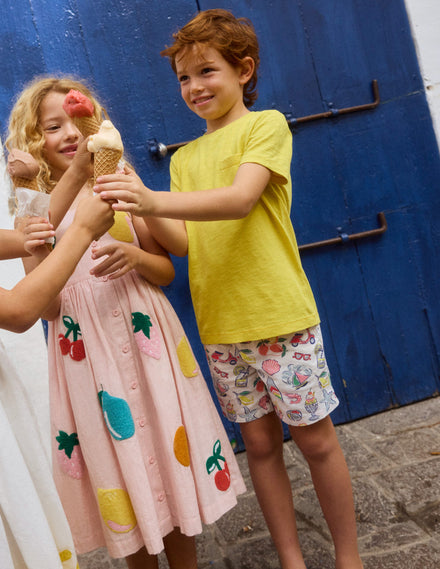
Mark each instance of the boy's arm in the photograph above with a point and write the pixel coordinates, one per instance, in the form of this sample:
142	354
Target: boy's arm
230	202
24	304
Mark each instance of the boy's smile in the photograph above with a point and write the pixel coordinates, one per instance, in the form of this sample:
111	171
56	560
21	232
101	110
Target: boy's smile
211	86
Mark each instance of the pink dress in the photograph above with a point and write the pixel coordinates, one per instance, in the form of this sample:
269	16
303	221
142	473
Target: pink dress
138	445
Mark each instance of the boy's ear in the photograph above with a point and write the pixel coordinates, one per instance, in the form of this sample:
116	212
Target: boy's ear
247	69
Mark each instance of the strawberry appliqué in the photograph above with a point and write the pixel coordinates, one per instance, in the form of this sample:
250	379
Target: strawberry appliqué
69	454
146	335
74	347
217	463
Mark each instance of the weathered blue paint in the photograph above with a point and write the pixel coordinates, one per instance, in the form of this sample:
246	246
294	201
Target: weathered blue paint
378	297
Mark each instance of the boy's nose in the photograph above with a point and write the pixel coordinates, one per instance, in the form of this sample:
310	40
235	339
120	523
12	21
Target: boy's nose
196	86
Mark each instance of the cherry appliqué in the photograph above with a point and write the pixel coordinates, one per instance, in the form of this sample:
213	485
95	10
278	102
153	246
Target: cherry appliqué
75	348
222	476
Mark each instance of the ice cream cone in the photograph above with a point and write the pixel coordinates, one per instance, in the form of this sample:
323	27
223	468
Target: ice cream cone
86	125
25	183
106	162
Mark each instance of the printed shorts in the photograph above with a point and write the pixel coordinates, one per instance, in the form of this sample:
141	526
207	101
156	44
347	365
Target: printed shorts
287	374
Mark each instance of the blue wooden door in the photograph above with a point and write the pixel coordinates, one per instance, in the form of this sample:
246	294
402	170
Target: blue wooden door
377	297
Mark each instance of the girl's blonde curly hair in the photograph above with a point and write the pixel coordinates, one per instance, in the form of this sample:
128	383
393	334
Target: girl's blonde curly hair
25	132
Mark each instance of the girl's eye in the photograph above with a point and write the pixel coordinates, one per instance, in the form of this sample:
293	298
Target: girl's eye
51	128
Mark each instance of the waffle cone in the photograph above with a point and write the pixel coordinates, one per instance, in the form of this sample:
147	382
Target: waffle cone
31	184
86	125
105	162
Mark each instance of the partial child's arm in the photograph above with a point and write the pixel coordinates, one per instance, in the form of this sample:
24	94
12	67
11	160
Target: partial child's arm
151	260
230	202
24	304
11	244
70	183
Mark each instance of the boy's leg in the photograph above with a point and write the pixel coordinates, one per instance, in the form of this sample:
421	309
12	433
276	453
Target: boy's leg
320	447
263	440
180	550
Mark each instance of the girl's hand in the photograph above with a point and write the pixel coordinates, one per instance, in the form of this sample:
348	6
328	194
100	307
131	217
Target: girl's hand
83	160
128	188
121	258
35	231
95	215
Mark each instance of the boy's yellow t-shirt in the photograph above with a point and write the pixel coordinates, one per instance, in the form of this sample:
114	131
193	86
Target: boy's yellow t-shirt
245	275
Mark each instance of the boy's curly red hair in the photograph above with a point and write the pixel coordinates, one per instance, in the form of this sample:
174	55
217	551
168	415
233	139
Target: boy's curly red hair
234	38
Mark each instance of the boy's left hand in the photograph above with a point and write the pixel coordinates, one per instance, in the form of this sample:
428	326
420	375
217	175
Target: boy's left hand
132	195
121	258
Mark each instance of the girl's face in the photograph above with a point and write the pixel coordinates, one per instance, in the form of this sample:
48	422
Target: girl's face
211	86
61	136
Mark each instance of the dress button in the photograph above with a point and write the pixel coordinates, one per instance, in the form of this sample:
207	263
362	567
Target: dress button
141	422
104	278
161	497
133	385
125	349
151	460
116	312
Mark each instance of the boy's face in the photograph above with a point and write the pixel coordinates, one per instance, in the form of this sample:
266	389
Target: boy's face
211	86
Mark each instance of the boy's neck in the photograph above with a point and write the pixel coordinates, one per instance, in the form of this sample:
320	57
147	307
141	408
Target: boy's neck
232	116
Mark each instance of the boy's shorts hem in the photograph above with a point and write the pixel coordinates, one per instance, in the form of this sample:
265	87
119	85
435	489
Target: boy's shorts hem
287	374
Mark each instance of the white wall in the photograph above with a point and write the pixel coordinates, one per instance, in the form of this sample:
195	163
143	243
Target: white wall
424	16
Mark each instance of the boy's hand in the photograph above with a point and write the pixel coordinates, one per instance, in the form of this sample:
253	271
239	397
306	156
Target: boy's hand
95	215
121	258
127	188
35	231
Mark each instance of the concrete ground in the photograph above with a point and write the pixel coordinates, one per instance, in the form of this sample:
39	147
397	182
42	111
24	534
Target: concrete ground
394	460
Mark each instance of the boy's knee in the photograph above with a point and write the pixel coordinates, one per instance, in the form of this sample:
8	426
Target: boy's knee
262	442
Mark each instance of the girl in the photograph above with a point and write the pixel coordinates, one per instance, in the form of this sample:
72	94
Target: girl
141	458
35	532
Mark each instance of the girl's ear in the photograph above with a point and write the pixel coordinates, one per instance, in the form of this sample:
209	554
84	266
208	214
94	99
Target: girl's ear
246	69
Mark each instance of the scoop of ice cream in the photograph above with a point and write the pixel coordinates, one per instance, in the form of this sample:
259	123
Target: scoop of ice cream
76	104
107	137
22	164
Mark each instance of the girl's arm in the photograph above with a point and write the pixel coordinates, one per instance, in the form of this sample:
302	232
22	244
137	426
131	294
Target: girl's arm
151	260
230	202
24	304
11	244
70	183
170	233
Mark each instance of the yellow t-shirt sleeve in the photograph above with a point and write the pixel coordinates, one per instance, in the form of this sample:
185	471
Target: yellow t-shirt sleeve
270	145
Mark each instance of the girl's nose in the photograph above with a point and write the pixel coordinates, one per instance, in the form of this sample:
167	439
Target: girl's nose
71	130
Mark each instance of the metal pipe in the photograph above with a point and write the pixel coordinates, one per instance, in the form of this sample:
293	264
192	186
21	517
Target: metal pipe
333	113
344	238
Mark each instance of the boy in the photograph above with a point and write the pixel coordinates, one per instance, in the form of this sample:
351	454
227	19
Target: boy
260	328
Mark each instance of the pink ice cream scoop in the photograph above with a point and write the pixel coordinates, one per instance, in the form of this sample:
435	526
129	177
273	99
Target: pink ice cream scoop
76	104
81	110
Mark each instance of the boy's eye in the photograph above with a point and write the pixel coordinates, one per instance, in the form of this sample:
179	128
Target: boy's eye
206	70
183	78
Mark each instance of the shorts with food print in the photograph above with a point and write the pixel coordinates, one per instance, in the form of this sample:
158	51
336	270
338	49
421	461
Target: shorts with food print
287	374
